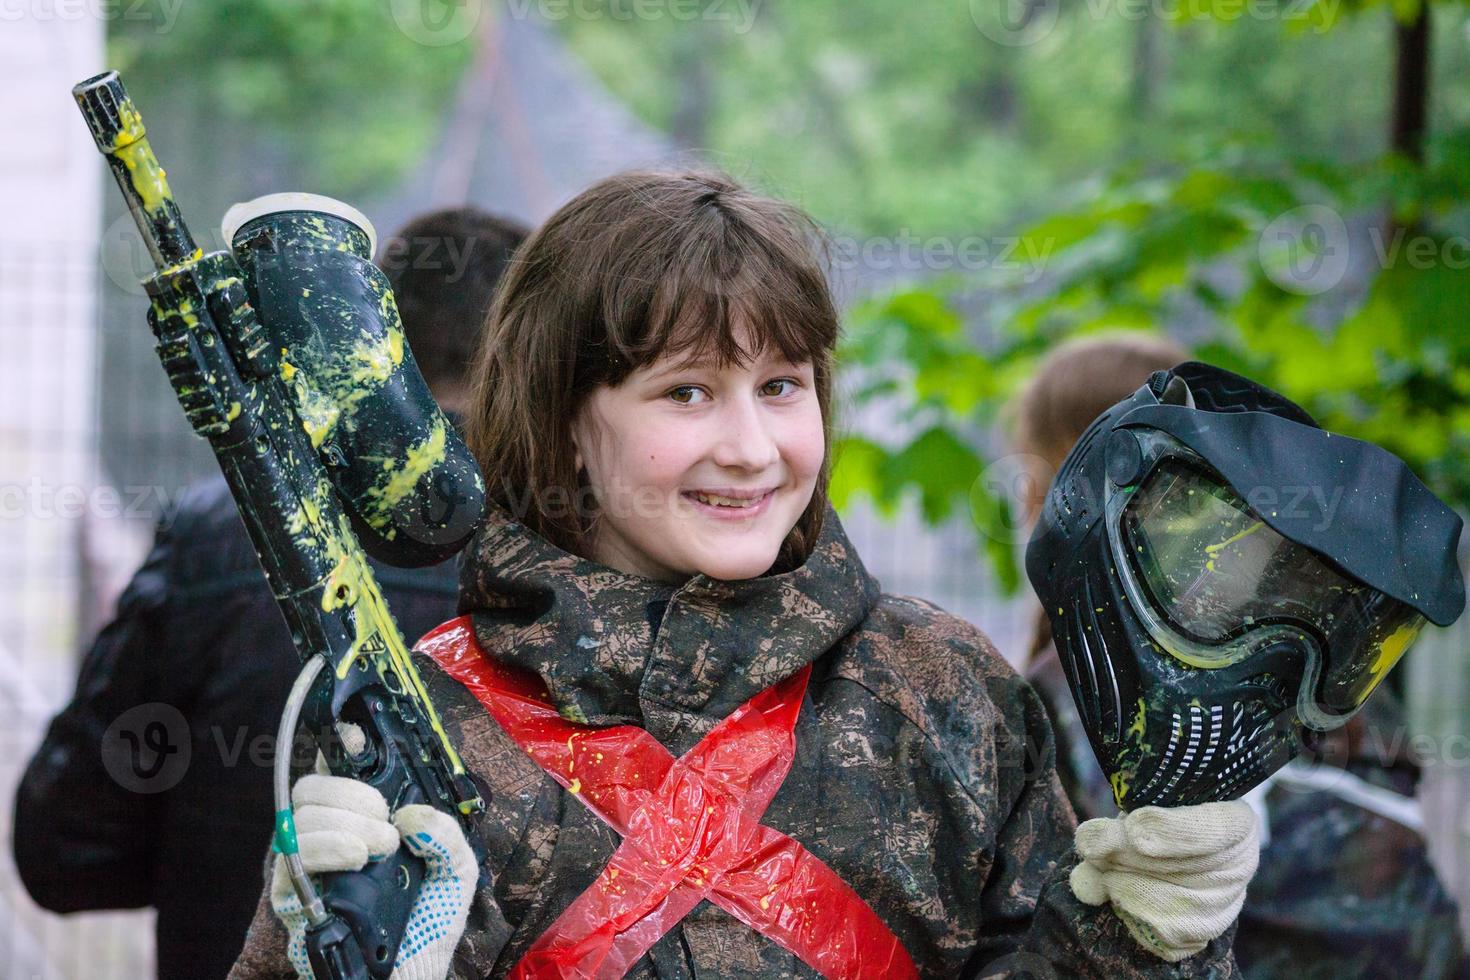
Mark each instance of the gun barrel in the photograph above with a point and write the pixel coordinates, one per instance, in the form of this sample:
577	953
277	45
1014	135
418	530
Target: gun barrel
118	131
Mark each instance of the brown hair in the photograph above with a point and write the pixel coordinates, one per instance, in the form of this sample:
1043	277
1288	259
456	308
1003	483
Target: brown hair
638	266
443	267
1080	379
1076	382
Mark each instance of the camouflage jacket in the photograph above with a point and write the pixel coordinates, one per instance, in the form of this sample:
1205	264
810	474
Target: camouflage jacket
1346	894
924	771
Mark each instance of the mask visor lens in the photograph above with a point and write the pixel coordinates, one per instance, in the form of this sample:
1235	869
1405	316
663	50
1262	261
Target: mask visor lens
1370	634
1215	571
1214	568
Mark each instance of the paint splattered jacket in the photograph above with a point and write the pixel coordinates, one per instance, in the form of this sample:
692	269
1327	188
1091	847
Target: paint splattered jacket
923	775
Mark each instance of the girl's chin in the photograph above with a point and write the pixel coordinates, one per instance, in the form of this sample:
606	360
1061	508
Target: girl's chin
744	563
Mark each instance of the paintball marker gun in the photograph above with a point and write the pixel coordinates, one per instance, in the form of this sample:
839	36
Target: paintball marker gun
288	357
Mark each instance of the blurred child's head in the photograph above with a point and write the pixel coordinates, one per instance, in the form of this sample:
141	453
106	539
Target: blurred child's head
1076	382
662	333
443	267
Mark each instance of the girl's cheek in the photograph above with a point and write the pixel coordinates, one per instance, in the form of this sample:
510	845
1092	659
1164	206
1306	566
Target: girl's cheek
670	448
807	445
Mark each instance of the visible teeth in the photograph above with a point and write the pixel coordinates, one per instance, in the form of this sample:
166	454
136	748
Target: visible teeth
718	501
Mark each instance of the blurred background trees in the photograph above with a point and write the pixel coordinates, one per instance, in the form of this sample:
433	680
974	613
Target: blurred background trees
1279	184
1282	186
325	91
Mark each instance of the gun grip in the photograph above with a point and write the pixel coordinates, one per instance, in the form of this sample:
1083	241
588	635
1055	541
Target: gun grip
371	908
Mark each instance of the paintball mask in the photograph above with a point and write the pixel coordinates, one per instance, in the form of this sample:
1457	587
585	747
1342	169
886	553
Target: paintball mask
1223	577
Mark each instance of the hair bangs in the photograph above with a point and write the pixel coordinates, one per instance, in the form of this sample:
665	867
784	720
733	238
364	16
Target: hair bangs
727	291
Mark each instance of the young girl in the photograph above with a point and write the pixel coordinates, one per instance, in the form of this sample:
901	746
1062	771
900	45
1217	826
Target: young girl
653	420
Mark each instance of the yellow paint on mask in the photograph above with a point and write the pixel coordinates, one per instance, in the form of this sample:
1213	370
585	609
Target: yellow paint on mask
1139	722
1213	550
1119	781
1391	649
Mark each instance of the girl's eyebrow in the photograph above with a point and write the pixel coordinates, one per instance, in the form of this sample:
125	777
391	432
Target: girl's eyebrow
690	363
687	364
697	363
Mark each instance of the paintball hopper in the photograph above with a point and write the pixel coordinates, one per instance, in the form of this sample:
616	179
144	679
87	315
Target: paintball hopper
407	481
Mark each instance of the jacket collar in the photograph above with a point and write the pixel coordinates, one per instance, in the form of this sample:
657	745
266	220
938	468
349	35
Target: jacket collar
615	648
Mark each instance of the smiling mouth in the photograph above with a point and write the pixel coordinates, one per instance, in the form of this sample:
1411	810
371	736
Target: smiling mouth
730	503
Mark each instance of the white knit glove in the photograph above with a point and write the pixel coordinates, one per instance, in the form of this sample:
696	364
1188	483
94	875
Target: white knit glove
341	824
1176	876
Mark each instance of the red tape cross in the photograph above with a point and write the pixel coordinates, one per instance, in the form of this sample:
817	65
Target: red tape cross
691	830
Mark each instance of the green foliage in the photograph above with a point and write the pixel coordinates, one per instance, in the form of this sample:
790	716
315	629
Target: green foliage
909	352
1372	346
880	117
350	100
1375	352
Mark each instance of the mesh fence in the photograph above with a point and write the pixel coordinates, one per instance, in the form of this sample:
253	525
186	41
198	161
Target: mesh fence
66	548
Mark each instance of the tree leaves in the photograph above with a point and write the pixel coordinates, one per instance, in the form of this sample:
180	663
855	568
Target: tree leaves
1378	352
338	85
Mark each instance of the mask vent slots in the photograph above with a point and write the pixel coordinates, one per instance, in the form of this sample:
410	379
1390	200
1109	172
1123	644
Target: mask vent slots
1194	738
1094	682
1217	753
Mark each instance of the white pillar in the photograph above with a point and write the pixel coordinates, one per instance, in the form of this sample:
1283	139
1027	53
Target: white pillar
51	181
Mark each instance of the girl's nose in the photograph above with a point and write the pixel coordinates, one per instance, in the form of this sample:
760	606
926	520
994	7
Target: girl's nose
744	439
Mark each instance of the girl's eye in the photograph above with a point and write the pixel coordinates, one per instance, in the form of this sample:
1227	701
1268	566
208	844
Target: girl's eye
674	393
778	381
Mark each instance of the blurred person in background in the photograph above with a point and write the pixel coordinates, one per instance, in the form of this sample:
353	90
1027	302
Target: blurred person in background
198	661
1344	887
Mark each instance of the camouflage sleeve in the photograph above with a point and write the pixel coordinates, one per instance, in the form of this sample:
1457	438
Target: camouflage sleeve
1034	923
501	772
264	954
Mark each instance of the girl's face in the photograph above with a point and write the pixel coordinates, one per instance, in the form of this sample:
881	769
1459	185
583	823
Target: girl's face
657	446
